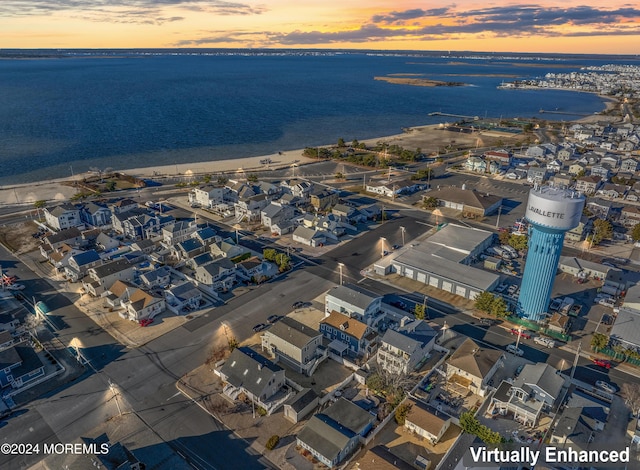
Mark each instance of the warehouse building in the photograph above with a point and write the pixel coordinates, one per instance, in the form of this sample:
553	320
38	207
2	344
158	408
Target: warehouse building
443	261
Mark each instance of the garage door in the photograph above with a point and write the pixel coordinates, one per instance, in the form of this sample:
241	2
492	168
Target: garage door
422	277
433	281
447	286
408	273
461	291
473	294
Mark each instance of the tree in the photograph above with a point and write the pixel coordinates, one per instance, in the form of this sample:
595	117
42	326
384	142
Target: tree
283	261
111	185
269	254
222	180
504	237
272	442
401	413
206	179
499	307
602	230
519	242
339	176
233	343
419	311
484	301
599	341
252	178
341	142
430	202
635	233
631	394
470	424
39	204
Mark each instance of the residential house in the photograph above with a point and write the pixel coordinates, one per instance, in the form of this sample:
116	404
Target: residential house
227	249
206	235
538	388
104	242
178	231
256	269
159	277
141	305
536	151
123	205
395	189
69	236
207	195
80	263
309	236
298	188
603	171
474	163
612	191
187	249
575	428
401	351
95	214
555	166
536	174
562	180
199	260
627	145
347	335
183	297
559	323
6	339
515	174
250	208
426	421
580	232
355	302
120	290
295	344
334	434
146	246
19	366
347	214
145	225
100	278
565	154
62	216
118	218
502	156
300	405
588	184
630	216
219	275
472	366
469	201
323	199
577	169
8	322
59	258
246	371
610	161
276	213
629	165
604	208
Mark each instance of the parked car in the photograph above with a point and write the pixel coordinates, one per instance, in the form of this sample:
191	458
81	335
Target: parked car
513	350
273	318
602	363
297	304
519	369
146	321
544	341
259	327
523	334
15	287
486	321
607	387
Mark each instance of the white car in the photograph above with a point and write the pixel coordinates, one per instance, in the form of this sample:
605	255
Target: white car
542	340
607	387
513	350
15	287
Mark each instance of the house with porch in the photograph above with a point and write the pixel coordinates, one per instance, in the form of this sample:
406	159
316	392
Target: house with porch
183	297
323	199
260	380
472	366
123	205
80	263
178	231
159	277
310	236
588	184
426	421
348	335
227	249
334	434
539	388
62	216
401	351
19	366
216	276
295	344
355	302
100	278
95	215
276	213
141	305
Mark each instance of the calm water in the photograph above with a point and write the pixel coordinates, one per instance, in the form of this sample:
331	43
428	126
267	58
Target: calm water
64	114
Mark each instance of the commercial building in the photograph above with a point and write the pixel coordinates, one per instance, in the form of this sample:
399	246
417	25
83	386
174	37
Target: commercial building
443	261
551	212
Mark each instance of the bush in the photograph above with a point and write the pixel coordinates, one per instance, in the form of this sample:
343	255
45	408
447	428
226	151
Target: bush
262	411
272	442
401	413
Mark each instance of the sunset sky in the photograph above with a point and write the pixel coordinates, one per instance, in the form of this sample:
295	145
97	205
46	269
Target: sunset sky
609	27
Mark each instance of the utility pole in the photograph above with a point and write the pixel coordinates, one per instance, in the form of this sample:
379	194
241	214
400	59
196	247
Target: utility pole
575	361
402	230
424	307
499	212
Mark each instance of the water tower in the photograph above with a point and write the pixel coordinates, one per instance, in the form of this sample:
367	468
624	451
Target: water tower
551	212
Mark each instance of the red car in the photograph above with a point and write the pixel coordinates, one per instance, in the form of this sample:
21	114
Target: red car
602	363
146	321
522	334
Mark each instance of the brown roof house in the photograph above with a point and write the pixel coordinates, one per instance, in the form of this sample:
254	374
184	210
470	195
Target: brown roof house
472	366
426	421
347	334
469	201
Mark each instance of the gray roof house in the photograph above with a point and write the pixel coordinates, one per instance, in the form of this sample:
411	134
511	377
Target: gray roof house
80	263
62	216
333	435
102	277
309	236
295	344
300	405
402	351
157	277
218	275
355	302
246	371
183	297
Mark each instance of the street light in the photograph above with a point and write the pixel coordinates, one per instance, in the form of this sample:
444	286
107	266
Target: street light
340	265
115	396
402	230
518	339
382	240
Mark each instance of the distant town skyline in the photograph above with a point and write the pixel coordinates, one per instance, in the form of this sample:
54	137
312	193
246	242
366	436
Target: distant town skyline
564	27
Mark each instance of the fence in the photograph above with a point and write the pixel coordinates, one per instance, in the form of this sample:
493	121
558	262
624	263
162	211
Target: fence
619	356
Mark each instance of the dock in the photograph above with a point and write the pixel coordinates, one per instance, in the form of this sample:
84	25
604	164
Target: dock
438	113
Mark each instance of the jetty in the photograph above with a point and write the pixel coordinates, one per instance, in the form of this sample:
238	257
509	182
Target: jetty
438	113
544	111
